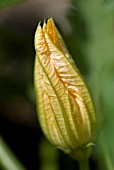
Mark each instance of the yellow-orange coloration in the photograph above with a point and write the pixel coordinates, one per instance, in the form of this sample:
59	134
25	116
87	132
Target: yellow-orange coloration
65	108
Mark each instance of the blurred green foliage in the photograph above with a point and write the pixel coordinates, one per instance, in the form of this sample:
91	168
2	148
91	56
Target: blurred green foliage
6	3
91	44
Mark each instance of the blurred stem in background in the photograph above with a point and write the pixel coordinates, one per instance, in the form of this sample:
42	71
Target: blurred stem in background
84	165
103	150
8	160
48	156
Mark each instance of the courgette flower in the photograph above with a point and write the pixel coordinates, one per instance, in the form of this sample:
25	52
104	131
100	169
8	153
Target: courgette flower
65	108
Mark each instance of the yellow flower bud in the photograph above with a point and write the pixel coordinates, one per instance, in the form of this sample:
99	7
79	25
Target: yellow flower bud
65	108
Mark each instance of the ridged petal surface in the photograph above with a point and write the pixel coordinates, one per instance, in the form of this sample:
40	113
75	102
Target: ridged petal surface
65	109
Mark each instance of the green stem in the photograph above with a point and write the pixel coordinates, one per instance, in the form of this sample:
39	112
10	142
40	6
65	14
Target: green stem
7	158
84	165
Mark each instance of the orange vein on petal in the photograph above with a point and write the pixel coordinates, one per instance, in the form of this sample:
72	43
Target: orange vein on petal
53	33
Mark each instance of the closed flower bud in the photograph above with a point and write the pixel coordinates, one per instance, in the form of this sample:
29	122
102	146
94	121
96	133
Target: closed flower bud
65	108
